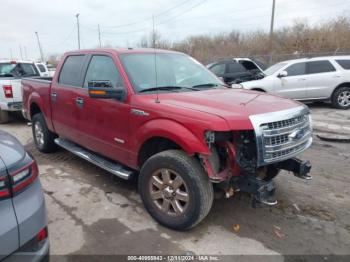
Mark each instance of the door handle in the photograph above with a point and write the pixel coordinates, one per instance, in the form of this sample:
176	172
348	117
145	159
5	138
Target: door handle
301	79
53	96
79	101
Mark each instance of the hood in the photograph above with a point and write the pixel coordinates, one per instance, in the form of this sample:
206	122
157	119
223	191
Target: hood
233	105
11	151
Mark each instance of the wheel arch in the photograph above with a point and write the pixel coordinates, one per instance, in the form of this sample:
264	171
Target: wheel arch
345	84
164	134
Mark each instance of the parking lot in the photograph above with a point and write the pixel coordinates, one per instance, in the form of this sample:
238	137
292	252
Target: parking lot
92	212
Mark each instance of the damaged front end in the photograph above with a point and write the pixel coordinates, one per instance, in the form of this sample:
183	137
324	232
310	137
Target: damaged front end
249	160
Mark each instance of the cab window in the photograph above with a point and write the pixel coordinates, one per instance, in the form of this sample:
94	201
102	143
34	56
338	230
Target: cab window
103	68
296	69
71	71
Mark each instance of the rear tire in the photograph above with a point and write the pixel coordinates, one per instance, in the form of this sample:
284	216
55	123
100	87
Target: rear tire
341	98
4	117
43	137
175	189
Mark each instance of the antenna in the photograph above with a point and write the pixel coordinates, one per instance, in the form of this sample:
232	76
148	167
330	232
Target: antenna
155	58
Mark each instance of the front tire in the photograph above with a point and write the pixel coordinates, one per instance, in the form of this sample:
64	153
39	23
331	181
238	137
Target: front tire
43	137
175	189
4	117
341	98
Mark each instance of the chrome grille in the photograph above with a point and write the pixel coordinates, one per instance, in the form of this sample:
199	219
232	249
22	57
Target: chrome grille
286	137
282	135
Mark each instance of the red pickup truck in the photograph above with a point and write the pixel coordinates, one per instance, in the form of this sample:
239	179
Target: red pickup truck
163	117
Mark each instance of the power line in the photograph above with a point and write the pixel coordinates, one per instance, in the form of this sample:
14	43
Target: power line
166	21
149	18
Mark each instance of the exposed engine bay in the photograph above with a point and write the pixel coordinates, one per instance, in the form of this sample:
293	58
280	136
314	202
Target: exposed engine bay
233	166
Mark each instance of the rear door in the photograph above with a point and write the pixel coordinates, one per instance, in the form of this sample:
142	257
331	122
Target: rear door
294	84
322	77
9	241
64	110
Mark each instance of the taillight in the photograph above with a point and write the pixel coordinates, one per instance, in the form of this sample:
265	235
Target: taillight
42	235
24	177
8	91
4	190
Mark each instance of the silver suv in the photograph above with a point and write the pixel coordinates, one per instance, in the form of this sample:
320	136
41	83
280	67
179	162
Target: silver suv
308	79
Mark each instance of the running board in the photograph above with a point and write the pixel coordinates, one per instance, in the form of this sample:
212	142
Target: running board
108	165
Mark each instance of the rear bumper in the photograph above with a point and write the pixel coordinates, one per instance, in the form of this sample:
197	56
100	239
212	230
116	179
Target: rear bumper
40	255
31	215
11	106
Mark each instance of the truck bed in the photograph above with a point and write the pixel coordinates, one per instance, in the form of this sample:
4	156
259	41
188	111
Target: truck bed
38	87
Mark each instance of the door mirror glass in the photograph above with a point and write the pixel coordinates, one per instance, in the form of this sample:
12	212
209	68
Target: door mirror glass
104	89
283	74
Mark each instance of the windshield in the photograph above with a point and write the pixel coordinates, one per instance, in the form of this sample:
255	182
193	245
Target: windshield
173	70
272	69
17	70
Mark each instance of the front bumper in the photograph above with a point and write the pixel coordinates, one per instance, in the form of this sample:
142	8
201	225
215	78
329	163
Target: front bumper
11	106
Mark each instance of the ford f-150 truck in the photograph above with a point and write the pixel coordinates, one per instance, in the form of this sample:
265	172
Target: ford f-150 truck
11	72
165	118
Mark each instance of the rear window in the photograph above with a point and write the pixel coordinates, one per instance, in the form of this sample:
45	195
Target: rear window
218	69
235	67
18	70
320	67
344	64
41	68
70	72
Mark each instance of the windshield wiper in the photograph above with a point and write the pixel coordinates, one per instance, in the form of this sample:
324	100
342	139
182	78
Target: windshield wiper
170	88
208	85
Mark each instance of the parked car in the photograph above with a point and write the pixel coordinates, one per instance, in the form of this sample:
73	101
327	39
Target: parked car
237	70
42	68
11	73
23	224
163	116
309	79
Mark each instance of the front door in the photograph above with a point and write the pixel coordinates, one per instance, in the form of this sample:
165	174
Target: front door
103	124
294	84
62	97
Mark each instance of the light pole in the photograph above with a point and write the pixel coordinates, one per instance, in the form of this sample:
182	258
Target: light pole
77	16
40	48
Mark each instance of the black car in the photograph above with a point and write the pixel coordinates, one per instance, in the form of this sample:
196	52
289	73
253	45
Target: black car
237	70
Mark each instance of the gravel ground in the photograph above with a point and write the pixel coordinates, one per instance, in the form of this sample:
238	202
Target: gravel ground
91	212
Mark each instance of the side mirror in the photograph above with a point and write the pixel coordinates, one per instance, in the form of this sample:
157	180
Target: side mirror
283	74
104	89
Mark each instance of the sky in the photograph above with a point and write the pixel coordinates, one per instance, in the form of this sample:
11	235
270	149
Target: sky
124	23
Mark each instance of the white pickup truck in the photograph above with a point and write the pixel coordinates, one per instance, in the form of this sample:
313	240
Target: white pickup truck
11	73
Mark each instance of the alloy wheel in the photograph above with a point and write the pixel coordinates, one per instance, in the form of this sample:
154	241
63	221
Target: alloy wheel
344	98
169	192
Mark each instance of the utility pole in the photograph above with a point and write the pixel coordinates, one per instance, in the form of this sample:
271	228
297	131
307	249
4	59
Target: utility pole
11	53
99	35
271	28
20	51
77	16
40	48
